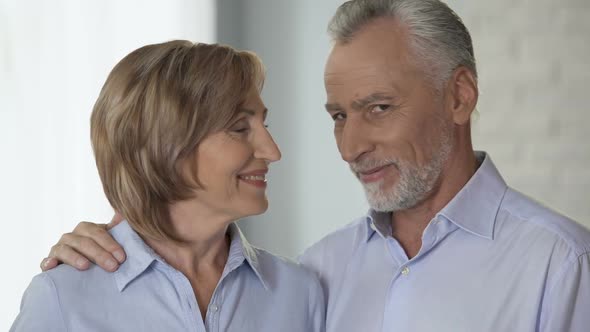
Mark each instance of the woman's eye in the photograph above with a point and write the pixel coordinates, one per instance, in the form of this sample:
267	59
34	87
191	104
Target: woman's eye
240	129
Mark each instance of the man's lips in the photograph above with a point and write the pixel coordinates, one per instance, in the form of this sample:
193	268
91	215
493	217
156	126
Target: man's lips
374	174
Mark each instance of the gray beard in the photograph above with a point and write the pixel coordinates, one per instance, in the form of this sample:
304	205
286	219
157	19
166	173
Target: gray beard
414	183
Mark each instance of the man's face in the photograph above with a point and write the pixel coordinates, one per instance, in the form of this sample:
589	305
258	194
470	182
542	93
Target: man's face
390	124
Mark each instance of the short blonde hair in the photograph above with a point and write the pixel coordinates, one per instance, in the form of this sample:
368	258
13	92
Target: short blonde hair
156	106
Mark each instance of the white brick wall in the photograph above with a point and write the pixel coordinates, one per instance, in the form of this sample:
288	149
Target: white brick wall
534	64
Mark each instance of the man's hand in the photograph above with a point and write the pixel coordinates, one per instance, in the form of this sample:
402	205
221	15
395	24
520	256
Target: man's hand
88	242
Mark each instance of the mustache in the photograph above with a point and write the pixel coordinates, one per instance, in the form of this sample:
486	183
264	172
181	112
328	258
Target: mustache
370	164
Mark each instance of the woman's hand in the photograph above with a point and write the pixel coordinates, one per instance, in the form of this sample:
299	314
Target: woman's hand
89	242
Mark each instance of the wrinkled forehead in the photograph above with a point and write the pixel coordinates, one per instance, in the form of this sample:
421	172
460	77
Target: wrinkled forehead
366	62
357	58
357	73
360	82
351	74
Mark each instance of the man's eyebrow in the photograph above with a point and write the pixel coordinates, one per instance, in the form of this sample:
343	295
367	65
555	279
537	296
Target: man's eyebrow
332	107
363	102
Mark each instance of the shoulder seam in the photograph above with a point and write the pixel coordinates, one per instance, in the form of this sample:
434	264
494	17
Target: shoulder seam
571	245
54	289
562	271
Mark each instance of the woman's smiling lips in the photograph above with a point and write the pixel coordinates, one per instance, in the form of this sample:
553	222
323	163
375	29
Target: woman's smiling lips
256	178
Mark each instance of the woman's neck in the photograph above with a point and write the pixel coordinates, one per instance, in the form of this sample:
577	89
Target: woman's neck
202	256
205	244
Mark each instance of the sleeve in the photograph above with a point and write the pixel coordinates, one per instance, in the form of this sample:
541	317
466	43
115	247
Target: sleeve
40	309
317	307
313	260
567	305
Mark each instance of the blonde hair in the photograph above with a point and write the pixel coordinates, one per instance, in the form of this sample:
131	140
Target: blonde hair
156	106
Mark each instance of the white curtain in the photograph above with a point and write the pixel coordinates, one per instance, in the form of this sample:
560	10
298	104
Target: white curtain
54	58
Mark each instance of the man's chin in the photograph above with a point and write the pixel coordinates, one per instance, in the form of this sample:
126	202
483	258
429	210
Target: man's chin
392	202
379	202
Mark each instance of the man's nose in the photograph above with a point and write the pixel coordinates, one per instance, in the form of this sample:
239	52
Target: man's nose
354	139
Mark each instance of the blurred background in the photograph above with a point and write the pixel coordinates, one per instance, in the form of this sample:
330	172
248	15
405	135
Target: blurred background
533	58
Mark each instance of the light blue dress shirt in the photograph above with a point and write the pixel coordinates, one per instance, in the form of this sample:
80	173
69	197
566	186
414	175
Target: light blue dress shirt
491	260
257	292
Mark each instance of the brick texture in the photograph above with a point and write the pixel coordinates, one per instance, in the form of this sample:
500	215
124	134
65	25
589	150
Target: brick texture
533	114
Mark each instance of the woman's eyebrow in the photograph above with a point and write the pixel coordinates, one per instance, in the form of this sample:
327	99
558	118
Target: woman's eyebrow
253	112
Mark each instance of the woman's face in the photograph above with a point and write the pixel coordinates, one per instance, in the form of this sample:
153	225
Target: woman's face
232	164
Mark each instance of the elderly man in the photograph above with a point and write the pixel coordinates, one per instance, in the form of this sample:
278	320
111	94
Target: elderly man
447	245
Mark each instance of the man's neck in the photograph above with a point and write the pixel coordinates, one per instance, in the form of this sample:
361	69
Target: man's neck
408	225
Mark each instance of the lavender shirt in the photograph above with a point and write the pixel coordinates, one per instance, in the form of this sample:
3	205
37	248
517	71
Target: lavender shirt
491	260
257	292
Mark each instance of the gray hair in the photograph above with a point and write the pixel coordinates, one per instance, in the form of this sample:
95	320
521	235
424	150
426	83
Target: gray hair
438	37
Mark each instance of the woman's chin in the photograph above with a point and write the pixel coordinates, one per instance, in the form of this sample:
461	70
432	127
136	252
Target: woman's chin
255	208
261	208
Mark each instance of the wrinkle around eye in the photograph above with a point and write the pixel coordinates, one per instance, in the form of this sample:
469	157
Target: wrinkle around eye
381	108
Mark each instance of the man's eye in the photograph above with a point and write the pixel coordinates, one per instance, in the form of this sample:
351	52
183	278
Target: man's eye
380	108
338	116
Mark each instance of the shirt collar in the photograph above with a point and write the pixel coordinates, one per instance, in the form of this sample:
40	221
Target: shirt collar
378	222
473	209
241	250
140	256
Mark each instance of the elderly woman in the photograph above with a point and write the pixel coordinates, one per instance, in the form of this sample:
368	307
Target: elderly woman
182	150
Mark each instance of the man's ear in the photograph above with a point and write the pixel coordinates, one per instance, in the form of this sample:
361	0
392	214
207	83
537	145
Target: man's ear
462	93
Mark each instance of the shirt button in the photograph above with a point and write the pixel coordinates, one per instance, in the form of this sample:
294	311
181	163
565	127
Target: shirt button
213	308
405	270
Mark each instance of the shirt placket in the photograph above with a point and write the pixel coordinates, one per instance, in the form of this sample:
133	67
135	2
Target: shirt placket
193	313
214	311
217	303
188	301
436	231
